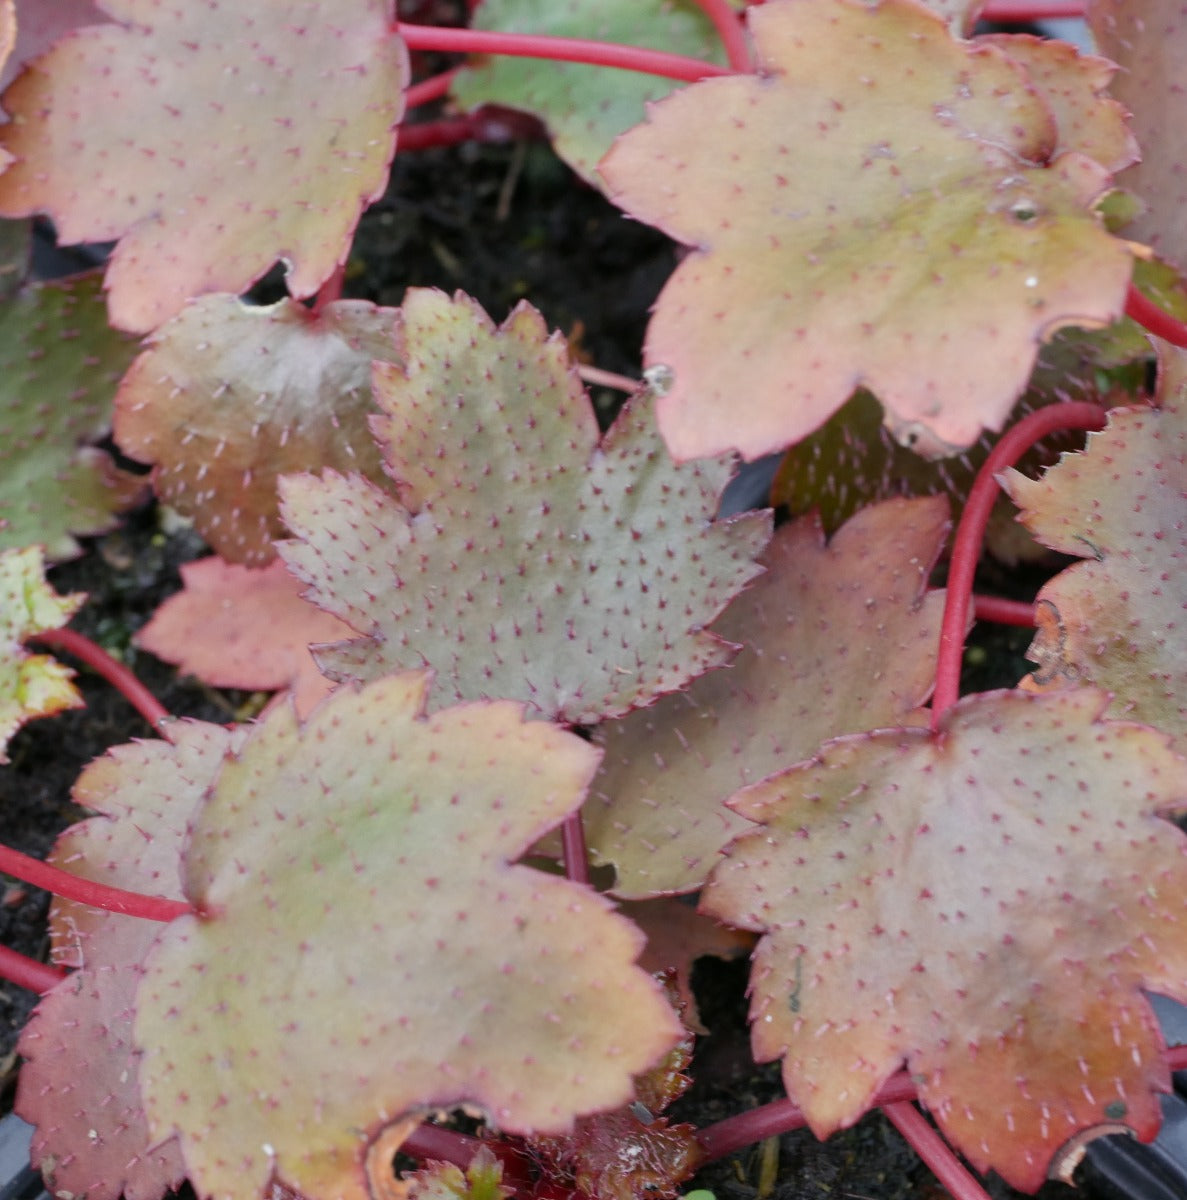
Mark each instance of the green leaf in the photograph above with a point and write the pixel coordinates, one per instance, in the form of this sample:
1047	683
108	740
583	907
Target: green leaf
584	107
365	948
31	685
987	903
528	560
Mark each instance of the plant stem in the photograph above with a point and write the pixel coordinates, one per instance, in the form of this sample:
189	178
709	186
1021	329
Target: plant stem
966	546
124	682
558	49
600	378
28	973
485	125
429	89
934	1151
573	848
780	1116
1148	315
1004	612
86	891
331	290
729	28
447	1145
1031	10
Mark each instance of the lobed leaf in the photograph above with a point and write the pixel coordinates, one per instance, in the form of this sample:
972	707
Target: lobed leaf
40	23
584	107
31	685
253	133
364	938
227	398
79	1086
1116	621
1149	45
985	902
904	227
527	559
234	627
59	366
837	639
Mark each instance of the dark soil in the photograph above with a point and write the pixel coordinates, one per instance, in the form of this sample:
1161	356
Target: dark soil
502	223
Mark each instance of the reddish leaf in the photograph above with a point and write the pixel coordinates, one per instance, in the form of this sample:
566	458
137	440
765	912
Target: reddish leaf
364	937
80	1082
229	397
1149	42
238	628
838	640
617	1156
677	935
250	136
1073	86
39	24
528	560
1116	621
987	903
31	685
902	226
59	366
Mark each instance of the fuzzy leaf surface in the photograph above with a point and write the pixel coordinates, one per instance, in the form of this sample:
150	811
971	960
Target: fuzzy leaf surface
527	560
423	970
230	397
584	107
79	1086
31	685
1116	620
59	367
234	627
836	639
254	133
40	23
986	903
1074	87
1149	44
902	227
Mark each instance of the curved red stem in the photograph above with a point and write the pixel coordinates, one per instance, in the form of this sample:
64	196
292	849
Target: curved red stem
1150	317
128	686
966	546
28	973
558	49
86	891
